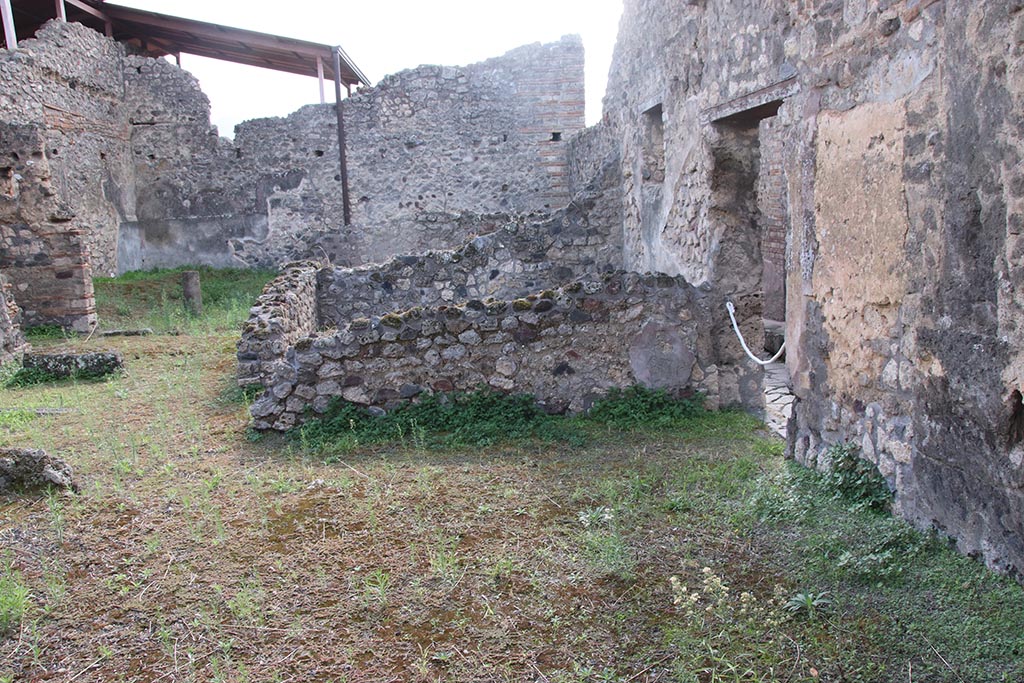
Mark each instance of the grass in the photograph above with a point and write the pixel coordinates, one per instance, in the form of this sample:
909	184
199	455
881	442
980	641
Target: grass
14	598
486	417
639	549
153	299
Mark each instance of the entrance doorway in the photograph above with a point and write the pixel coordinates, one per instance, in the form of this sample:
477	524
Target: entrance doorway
749	203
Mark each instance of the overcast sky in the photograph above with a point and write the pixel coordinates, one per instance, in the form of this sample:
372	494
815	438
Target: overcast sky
385	36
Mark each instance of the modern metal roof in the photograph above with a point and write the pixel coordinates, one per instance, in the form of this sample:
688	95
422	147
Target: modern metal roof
157	35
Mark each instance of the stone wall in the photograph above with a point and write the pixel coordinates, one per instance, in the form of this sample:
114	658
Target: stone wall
67	83
284	313
65	175
565	346
899	125
43	252
12	343
433	153
523	255
132	175
774	216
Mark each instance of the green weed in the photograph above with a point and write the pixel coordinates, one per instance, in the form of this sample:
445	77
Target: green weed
857	480
376	585
154	299
45	332
15	419
486	417
27	377
637	406
609	553
247	604
14	598
479	418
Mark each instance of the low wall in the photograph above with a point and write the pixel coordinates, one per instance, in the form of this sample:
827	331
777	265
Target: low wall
566	346
520	257
283	314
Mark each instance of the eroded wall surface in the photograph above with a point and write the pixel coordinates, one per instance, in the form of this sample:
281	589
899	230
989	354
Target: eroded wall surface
12	342
899	125
43	250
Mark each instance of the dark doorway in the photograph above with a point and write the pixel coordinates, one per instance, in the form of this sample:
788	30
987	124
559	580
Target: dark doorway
749	210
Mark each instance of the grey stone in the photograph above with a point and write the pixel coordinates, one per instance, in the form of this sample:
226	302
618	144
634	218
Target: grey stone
28	468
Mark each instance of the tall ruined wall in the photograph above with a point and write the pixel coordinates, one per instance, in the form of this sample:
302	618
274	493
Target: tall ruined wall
43	251
899	143
432	153
65	175
187	205
67	83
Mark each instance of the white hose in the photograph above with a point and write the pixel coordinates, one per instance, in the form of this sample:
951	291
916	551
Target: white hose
732	310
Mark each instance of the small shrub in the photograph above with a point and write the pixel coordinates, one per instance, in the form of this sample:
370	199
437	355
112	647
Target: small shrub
808	603
479	418
726	634
609	553
886	556
595	517
15	418
857	480
27	377
376	585
637	406
45	332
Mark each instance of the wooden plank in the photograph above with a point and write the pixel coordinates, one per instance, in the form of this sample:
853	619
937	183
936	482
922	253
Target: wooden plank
88	9
346	206
320	77
8	19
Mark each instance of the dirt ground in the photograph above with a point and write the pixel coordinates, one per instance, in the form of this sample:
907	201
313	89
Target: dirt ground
195	553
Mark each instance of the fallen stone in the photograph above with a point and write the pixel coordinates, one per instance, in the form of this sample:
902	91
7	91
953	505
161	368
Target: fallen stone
30	468
41	411
63	365
142	332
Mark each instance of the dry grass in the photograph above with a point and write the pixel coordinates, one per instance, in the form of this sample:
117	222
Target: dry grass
194	553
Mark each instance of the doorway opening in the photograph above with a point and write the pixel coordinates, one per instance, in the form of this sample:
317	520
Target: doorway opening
749	205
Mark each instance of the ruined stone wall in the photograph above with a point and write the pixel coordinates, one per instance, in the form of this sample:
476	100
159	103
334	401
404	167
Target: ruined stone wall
187	204
565	346
12	343
519	258
43	252
284	313
433	152
774	218
65	176
899	125
67	83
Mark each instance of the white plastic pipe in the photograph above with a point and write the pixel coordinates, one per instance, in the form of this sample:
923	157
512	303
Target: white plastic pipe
732	316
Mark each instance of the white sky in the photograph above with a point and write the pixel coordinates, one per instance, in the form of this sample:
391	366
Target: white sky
385	36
